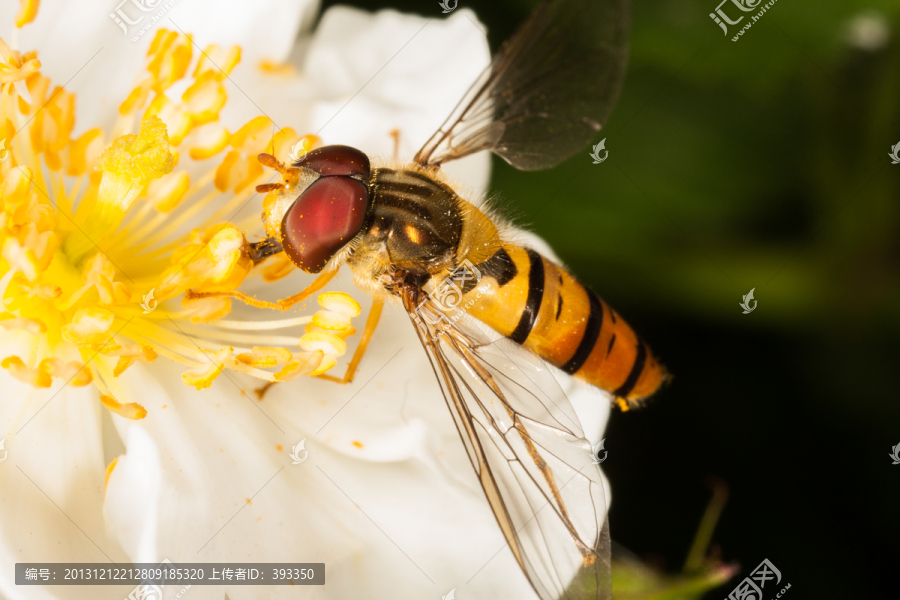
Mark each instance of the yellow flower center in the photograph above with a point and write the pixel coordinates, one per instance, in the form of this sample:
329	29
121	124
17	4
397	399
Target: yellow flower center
95	251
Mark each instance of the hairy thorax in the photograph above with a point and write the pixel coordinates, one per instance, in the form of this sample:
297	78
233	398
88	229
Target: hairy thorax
417	225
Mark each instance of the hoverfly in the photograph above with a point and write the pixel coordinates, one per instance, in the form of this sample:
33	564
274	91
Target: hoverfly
488	311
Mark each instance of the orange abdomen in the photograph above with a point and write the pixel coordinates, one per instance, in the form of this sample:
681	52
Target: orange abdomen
537	304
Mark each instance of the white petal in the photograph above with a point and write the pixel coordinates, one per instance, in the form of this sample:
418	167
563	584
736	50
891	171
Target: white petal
357	82
377	73
69	34
371	523
51	484
132	497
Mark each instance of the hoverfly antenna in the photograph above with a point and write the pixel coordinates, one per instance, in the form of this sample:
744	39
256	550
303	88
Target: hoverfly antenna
288	174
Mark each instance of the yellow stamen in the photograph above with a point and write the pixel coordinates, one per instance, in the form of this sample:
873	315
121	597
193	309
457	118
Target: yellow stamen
27	12
265	357
326	342
131	410
109	469
203	376
309	365
20	371
88	326
93	249
128	165
262	325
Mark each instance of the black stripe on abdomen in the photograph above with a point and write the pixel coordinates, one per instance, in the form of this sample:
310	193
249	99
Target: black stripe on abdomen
591	333
500	266
535	297
636	369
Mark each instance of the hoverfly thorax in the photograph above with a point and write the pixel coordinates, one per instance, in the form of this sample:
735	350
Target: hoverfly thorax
415	219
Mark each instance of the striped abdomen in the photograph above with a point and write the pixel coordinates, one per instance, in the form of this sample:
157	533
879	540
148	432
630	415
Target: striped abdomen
537	304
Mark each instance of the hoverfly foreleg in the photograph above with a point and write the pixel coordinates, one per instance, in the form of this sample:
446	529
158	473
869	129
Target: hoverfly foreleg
371	324
264	249
284	304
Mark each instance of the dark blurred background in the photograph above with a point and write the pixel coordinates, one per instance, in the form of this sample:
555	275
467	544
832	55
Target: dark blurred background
761	163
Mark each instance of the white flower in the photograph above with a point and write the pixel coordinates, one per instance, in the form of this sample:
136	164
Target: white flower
387	498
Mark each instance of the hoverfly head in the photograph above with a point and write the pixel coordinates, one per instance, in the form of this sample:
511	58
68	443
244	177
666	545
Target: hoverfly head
320	207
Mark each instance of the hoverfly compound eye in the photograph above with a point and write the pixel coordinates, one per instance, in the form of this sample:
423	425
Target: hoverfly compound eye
326	216
336	160
331	211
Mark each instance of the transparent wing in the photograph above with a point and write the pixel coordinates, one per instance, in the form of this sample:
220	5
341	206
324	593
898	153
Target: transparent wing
547	91
527	449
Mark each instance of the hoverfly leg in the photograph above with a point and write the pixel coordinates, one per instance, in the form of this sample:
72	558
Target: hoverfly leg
371	324
317	284
261	391
284	304
263	249
395	133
